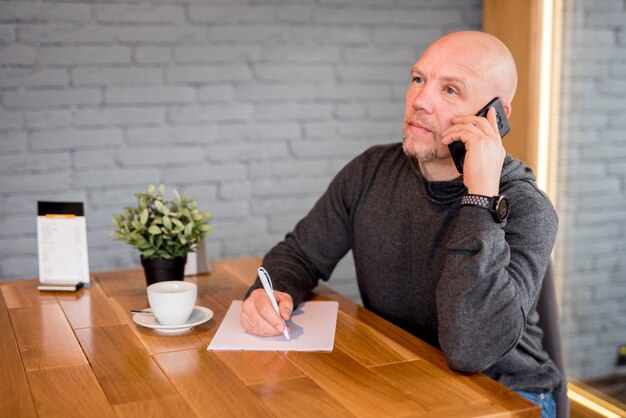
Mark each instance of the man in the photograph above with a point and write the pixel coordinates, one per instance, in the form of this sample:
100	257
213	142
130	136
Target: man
456	275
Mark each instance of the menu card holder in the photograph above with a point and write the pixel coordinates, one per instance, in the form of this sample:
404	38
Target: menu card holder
62	246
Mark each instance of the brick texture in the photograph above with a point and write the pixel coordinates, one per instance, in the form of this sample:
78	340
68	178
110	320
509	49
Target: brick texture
592	187
250	106
253	106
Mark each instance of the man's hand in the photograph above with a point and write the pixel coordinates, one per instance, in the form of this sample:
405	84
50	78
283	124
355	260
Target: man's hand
258	317
485	153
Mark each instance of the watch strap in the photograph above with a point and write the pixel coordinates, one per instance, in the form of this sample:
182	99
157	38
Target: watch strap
497	205
477	200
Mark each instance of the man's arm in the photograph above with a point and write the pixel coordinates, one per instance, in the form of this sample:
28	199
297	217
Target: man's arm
311	251
492	278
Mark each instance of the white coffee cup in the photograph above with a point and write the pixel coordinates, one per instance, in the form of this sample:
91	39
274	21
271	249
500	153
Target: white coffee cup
173	301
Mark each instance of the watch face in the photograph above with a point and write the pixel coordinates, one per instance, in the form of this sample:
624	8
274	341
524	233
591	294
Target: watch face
502	209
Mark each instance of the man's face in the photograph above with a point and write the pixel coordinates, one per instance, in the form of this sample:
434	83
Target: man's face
445	82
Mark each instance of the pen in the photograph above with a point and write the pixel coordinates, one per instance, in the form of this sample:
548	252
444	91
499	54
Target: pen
269	289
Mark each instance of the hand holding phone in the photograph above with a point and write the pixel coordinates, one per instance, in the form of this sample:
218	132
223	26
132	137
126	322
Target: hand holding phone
457	148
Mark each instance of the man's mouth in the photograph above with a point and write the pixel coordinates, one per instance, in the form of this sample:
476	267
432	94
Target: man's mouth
416	127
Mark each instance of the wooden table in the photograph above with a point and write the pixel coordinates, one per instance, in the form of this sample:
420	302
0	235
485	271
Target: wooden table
81	354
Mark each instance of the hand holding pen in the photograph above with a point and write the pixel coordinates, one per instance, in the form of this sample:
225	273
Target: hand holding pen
269	289
265	311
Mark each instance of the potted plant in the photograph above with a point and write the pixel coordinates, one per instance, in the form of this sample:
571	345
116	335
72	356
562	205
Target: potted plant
163	232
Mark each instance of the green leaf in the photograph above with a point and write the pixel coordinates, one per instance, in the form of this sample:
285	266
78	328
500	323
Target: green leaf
160	206
143	246
154	230
162	228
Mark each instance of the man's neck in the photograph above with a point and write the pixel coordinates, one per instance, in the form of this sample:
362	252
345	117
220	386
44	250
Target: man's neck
438	169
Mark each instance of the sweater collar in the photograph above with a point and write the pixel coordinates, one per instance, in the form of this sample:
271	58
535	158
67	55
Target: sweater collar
439	191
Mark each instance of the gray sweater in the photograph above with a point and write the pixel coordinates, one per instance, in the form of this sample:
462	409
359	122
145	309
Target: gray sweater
448	274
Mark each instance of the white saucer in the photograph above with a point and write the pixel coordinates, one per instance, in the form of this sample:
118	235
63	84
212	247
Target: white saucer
199	315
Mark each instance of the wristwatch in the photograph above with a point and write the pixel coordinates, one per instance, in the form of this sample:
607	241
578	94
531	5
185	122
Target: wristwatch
497	205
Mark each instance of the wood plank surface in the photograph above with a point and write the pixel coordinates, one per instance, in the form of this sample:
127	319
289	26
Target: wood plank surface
207	330
81	354
301	395
501	395
122	282
254	367
221	285
367	345
88	308
123	367
489	388
243	269
12	375
168	407
429	386
68	392
221	295
482	409
24	294
154	341
45	338
393	332
208	386
127	290
357	388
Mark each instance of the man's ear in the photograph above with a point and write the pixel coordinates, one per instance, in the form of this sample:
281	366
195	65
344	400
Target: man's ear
507	108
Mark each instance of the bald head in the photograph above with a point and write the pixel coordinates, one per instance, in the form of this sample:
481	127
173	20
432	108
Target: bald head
486	54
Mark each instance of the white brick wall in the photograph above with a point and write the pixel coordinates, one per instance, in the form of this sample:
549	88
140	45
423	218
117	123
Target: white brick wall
592	182
251	106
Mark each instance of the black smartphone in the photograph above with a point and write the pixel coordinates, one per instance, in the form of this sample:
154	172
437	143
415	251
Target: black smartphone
457	148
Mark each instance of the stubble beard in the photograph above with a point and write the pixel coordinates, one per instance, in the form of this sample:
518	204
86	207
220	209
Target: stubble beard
416	146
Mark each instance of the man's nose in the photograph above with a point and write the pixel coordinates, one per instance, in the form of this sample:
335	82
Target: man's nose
422	98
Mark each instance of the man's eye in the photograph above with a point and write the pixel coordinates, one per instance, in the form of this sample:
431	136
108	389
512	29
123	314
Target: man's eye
418	80
450	90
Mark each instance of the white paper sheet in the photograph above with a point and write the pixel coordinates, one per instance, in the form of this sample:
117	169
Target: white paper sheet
312	326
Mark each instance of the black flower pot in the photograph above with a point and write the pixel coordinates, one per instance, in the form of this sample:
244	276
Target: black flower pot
164	270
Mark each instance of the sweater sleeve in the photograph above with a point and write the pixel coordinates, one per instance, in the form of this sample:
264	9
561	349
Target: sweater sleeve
318	242
492	278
